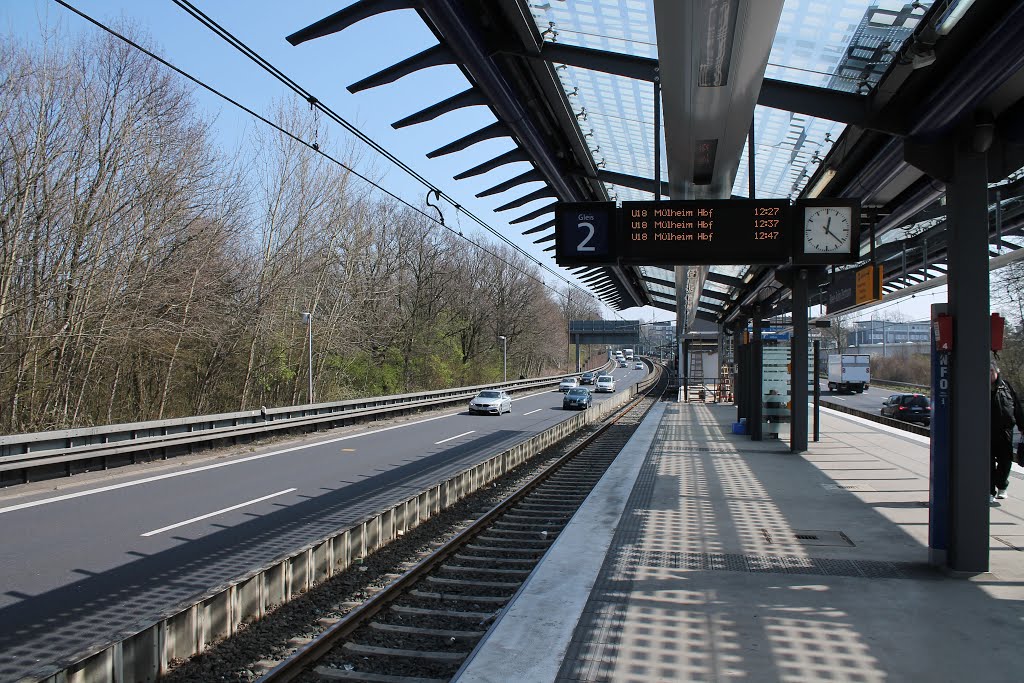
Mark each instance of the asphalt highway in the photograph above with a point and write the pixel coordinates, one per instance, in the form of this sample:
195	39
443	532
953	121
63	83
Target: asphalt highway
870	401
86	561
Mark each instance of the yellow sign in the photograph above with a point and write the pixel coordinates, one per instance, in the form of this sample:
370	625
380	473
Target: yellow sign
869	284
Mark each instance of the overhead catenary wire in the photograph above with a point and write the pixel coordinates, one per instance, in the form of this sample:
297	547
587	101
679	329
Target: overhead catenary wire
315	102
318	150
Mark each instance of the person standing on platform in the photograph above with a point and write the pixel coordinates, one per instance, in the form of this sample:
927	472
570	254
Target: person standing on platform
1006	410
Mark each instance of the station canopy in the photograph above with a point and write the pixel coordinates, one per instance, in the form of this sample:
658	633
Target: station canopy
609	100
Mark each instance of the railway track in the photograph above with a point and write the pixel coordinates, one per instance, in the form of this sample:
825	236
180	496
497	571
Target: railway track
422	627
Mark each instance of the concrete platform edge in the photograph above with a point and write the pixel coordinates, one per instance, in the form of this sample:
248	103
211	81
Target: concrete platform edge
539	621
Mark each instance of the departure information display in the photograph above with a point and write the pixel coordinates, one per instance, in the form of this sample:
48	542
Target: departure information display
705	232
676	232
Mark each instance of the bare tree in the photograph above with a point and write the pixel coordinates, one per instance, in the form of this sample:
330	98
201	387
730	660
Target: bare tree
144	273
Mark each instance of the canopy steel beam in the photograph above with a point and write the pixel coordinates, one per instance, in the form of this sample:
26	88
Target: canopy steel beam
466	98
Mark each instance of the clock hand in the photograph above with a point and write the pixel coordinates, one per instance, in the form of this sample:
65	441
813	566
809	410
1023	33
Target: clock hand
828	224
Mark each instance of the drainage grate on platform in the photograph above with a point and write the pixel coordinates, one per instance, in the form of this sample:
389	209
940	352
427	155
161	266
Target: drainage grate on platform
816	537
820	537
847	487
776	564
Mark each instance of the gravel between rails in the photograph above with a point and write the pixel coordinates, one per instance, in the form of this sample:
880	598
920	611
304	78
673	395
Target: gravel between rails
258	645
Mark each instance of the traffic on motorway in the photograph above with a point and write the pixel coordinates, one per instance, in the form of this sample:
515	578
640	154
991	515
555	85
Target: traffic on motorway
878	400
146	538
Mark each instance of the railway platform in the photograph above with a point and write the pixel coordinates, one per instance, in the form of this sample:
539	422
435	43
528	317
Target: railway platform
705	556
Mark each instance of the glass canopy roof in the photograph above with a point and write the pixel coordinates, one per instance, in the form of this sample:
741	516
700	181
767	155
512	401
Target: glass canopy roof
844	45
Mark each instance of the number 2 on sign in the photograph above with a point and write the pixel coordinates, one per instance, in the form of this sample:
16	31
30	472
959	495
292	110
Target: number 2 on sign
585	242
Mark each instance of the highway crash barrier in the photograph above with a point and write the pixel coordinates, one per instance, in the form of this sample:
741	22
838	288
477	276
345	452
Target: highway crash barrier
45	455
188	628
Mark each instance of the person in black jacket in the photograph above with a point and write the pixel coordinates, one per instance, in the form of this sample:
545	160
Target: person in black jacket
1006	410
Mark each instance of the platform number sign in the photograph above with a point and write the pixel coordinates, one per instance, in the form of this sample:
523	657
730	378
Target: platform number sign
584	233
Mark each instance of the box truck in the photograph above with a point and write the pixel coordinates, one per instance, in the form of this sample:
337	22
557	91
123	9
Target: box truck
849	372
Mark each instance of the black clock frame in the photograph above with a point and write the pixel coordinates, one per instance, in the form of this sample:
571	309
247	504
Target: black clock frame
799	213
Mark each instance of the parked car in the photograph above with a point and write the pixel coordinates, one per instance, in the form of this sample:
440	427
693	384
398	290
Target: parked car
577	398
568	383
588	378
491	401
605	383
909	408
639	366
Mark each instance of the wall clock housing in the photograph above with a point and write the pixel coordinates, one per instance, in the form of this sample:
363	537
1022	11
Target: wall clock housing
829	231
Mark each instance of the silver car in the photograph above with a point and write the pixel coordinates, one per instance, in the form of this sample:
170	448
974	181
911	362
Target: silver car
568	383
605	383
491	401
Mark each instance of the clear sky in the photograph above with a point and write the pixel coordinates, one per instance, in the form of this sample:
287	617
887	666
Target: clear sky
325	67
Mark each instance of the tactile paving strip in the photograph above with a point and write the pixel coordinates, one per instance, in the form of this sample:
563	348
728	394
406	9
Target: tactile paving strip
775	564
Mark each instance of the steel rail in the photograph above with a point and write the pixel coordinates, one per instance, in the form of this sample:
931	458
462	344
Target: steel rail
299	661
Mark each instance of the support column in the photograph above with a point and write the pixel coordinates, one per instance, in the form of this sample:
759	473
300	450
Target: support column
721	361
756	375
685	364
798	359
817	390
577	353
739	377
680	273
967	206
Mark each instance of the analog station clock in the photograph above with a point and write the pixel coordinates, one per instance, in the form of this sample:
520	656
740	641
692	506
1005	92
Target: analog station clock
830	231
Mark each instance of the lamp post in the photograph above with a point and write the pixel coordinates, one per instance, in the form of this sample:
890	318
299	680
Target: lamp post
504	355
308	319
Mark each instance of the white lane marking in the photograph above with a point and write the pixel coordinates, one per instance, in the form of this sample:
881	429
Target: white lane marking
543	392
452	438
533	411
214	514
193	470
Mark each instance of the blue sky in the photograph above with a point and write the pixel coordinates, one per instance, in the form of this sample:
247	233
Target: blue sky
325	67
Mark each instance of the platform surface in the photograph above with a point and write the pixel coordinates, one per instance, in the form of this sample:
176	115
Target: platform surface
705	556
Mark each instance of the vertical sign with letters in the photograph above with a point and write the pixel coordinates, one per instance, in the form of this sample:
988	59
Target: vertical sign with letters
940	479
584	233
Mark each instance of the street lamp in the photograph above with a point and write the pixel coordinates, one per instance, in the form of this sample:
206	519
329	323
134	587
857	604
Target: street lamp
308	319
504	354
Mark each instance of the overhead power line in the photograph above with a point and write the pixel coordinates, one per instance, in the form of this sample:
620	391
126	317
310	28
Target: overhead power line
315	148
290	83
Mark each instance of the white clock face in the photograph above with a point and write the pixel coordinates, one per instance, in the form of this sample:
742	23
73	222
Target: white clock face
827	230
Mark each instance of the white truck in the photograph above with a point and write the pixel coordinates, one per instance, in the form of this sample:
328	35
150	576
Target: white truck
629	354
849	372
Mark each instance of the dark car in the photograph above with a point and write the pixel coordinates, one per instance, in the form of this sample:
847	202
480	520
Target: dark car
577	398
588	378
909	408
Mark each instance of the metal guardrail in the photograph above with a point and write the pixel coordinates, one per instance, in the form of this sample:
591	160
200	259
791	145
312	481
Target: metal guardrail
68	451
893	383
898	424
888	383
187	628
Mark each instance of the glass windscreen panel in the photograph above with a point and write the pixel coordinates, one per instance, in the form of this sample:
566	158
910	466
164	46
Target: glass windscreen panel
842	45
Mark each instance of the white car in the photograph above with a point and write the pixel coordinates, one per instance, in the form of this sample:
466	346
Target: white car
638	366
568	383
605	383
491	401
